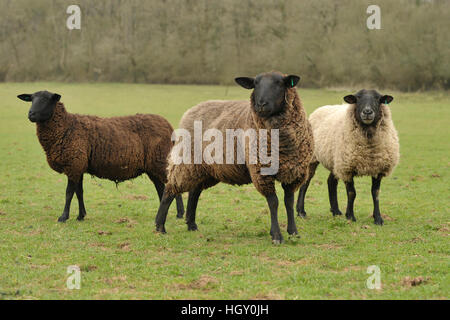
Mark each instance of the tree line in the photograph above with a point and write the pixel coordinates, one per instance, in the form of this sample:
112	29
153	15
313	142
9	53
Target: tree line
326	42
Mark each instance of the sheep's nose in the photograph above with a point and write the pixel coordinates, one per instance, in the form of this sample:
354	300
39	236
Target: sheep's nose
367	111
32	116
261	104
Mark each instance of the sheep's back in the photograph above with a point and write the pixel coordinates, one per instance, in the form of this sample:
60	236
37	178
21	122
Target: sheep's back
342	146
220	115
122	148
217	114
327	125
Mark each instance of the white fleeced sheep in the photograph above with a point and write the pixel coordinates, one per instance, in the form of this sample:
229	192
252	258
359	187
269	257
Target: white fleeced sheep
351	140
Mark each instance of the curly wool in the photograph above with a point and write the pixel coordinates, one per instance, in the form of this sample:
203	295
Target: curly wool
117	149
295	146
347	149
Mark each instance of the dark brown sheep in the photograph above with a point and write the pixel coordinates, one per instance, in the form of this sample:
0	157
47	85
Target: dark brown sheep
274	104
118	149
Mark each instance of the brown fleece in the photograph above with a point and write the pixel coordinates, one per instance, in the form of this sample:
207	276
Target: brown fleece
117	149
295	146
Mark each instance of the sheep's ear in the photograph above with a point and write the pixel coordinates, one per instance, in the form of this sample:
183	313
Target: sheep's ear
350	99
247	83
25	97
386	99
291	80
56	97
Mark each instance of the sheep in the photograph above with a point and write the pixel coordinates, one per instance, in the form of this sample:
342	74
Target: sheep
274	104
118	149
356	139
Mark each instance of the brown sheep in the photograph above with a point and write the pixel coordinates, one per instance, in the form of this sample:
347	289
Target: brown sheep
118	149
274	104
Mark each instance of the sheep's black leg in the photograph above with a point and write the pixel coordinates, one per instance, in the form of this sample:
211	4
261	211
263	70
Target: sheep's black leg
351	195
192	208
332	195
301	195
159	186
71	186
301	199
289	204
376	182
275	232
160	220
79	192
180	206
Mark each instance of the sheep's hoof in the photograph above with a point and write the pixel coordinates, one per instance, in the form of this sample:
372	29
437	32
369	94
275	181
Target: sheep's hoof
379	222
292	230
180	215
192	227
161	229
350	217
301	214
63	219
336	212
294	235
80	218
277	239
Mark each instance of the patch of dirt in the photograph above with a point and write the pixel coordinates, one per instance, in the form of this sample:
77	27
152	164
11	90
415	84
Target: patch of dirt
267	296
445	230
387	218
301	262
99	245
204	283
413	282
104	233
140	197
116	279
122	220
2	213
328	246
88	268
125	246
108	292
435	175
285	263
38	266
353	268
130	222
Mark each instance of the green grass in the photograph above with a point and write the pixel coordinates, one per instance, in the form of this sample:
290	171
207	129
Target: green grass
231	256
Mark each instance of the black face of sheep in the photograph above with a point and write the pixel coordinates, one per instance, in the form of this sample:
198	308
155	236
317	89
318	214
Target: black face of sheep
42	106
269	92
368	104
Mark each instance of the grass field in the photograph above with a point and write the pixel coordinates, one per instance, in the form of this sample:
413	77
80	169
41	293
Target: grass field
231	256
